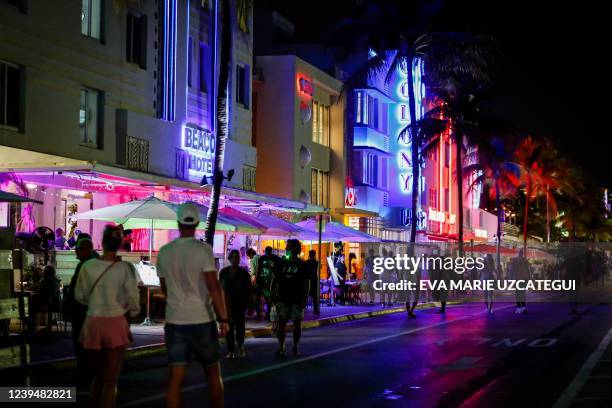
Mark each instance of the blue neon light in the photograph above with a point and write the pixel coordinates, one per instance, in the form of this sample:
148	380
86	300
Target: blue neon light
169	61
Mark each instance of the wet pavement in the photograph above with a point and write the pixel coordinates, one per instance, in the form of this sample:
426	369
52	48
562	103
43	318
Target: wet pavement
464	358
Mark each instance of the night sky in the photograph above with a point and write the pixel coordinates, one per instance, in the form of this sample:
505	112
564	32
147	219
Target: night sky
553	81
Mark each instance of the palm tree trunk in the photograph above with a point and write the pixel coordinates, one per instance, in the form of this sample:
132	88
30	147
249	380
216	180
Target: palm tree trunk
459	172
526	216
414	152
499	229
547	217
222	119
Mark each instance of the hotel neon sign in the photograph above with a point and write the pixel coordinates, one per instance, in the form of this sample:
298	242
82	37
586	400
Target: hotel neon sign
403	116
200	147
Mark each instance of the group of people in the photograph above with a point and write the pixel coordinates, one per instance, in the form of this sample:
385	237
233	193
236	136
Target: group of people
201	306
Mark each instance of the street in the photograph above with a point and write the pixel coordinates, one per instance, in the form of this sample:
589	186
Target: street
466	358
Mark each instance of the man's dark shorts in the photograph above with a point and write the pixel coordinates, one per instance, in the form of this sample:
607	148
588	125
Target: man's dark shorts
185	340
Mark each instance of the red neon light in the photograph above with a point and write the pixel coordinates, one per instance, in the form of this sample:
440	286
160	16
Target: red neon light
305	86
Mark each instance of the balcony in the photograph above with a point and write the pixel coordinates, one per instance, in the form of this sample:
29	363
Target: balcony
366	137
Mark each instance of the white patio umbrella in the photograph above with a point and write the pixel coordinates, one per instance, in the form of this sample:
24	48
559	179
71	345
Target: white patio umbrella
151	213
342	232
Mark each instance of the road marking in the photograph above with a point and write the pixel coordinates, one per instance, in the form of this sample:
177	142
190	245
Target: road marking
307	358
578	382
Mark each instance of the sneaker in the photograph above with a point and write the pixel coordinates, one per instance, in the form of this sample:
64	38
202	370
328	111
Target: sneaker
280	353
523	310
241	352
296	351
230	355
518	310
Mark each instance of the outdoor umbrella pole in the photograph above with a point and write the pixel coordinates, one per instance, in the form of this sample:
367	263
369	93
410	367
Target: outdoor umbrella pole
147	320
317	300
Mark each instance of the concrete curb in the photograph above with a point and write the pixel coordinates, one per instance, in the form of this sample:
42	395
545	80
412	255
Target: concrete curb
149	350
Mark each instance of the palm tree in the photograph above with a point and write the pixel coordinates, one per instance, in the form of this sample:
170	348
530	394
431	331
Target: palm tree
222	106
403	42
398	44
460	70
491	168
539	176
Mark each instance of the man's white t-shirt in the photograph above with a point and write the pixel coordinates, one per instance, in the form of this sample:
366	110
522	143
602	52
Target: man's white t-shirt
181	264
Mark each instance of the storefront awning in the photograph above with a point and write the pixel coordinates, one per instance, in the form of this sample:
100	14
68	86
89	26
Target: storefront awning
15	160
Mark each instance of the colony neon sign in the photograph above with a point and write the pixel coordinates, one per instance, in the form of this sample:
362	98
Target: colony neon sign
200	146
404	162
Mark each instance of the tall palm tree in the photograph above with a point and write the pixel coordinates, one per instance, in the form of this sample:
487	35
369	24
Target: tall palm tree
539	175
222	105
398	44
221	115
491	167
460	69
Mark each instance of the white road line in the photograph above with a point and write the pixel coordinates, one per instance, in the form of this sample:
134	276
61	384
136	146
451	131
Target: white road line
307	358
578	382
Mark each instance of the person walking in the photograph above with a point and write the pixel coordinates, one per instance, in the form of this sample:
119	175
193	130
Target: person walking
289	293
369	275
109	289
253	264
236	284
265	268
413	295
519	270
312	265
77	312
188	278
487	273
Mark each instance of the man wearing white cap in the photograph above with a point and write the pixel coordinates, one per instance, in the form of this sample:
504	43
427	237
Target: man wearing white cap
186	268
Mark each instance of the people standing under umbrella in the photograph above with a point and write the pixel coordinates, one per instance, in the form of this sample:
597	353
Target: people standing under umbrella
236	284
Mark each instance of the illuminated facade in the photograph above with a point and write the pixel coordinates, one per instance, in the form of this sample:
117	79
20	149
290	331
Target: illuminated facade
382	169
298	129
137	90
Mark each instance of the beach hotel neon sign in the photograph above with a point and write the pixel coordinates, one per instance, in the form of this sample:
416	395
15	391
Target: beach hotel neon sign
200	147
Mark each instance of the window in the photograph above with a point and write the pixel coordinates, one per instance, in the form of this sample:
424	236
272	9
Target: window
248	178
433	199
320	123
384	183
89	117
319	188
358	98
10	98
370	169
205	61
446	154
242	85
91	18
446	200
373	109
136	46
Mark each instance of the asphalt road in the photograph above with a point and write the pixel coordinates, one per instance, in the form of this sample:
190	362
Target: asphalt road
465	358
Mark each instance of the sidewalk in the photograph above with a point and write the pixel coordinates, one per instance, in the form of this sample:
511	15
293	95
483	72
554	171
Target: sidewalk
55	348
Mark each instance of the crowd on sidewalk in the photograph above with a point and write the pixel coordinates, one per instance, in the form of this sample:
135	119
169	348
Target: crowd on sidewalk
203	305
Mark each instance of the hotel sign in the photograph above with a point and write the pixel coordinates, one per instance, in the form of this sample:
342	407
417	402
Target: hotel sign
480	233
305	86
199	145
